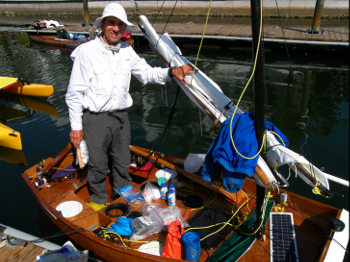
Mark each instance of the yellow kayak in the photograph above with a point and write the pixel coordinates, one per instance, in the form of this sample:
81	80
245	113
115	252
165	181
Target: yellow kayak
10	138
17	86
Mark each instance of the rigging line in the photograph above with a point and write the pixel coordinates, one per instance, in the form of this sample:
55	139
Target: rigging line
171	13
157	16
245	88
169	120
200	46
293	29
284	38
153	149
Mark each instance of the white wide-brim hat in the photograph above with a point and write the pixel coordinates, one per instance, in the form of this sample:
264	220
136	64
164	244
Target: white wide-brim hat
117	11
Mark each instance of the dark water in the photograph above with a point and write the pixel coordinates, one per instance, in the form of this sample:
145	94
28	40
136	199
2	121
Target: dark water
317	87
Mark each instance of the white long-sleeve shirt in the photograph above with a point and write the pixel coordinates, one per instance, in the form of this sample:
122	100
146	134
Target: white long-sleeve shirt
100	79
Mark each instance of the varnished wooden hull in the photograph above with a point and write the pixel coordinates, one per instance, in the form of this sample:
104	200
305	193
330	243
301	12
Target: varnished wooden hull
309	216
52	40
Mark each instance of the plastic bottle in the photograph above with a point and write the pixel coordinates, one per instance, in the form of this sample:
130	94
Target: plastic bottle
163	191
171	195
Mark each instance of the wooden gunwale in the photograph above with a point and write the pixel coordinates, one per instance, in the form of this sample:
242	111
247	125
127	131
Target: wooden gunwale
109	251
50	40
53	40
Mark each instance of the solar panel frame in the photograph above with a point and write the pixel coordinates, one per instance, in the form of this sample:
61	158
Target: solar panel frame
283	244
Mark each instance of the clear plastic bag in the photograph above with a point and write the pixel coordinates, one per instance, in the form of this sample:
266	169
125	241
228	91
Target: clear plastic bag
150	192
147	207
146	225
171	214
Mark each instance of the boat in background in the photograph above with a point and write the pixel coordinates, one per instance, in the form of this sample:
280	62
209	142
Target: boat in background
22	87
54	40
10	138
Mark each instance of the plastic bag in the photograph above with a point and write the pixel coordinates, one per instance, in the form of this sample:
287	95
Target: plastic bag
171	214
130	194
68	252
147	207
150	192
82	154
146	225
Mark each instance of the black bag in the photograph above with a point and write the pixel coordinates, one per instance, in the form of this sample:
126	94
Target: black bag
38	24
63	34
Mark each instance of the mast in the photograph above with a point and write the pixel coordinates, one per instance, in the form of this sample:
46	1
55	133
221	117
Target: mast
259	89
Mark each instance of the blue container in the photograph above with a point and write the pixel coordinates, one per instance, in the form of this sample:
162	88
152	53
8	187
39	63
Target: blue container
191	246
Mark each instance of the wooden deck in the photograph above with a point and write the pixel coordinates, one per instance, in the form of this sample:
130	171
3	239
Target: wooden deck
19	252
331	32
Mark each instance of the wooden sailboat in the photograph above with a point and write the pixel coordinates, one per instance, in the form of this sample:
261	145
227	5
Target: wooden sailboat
308	236
311	218
54	40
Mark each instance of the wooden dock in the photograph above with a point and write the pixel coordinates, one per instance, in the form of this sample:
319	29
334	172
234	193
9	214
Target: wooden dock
331	34
15	245
19	252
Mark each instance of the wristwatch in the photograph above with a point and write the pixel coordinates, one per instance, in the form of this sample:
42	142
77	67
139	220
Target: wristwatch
170	72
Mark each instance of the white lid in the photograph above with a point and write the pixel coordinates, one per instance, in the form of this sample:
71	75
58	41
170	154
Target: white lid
167	173
193	162
70	208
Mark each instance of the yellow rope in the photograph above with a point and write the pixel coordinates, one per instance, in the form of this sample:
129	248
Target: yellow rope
200	46
315	189
225	223
262	220
122	240
245	88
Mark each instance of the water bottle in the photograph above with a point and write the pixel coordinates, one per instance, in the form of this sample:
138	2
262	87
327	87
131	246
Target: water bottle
191	246
163	191
171	195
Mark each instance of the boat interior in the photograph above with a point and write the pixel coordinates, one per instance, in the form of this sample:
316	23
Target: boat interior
230	211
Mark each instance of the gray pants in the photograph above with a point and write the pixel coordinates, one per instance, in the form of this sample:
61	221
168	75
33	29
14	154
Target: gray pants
107	132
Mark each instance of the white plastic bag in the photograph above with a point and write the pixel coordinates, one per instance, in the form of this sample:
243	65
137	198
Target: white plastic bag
150	192
68	253
82	154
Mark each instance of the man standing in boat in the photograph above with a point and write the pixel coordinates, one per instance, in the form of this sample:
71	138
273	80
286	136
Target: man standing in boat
98	96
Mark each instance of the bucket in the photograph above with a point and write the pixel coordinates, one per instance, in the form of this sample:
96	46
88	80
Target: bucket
191	246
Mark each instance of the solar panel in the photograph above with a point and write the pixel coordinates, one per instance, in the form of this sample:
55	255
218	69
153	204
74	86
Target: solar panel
283	246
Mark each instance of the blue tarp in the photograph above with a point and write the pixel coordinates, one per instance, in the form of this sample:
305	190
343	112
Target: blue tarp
222	157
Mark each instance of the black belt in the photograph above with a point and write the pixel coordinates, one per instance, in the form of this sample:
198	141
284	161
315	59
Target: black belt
106	112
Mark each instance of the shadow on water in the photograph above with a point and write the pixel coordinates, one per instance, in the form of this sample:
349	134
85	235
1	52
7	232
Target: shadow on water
307	99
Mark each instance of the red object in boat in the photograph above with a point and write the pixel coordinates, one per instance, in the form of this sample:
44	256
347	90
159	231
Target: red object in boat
146	167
